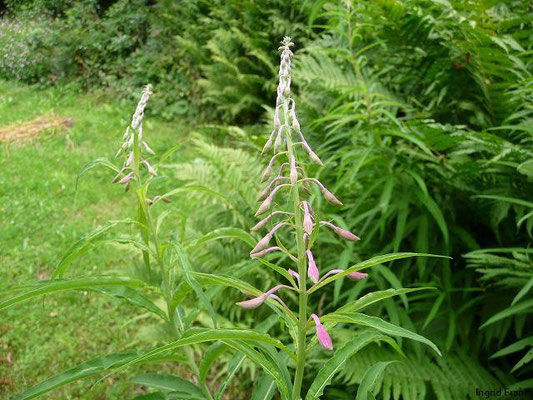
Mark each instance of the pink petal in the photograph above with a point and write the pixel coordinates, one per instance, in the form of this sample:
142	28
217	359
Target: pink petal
323	337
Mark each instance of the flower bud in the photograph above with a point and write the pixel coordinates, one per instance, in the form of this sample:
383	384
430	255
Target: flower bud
308	222
265	205
357	276
347	235
323	337
149	168
126	178
312	270
262	244
330	197
257	301
264	252
129	160
293	173
268	144
278	142
147	148
266	173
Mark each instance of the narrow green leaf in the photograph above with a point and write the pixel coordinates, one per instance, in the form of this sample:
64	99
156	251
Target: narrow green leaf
99	161
513	348
380	325
374	297
84	244
370	379
265	389
168	382
85	283
224	233
332	366
369	263
509	312
434	310
189	278
526	288
524	360
209	358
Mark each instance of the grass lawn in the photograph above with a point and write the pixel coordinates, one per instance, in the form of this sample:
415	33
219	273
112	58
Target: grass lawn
41	215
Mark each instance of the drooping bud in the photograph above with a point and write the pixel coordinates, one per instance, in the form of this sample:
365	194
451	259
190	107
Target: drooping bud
278	142
129	160
266	173
308	221
343	233
277	122
330	197
149	201
147	148
126	178
268	144
265	205
357	276
293	173
347	235
312	270
257	301
149	168
311	153
262	244
323	337
294	274
261	224
264	252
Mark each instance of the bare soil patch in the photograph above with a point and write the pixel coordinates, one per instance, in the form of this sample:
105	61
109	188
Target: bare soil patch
31	129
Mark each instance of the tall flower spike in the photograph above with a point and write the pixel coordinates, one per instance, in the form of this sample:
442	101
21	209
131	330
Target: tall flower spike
312	270
323	337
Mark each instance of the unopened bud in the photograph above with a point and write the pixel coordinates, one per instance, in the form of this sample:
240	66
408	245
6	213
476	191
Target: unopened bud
149	168
357	276
312	270
330	197
294	172
126	178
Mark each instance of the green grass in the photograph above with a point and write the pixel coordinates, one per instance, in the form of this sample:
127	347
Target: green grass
41	214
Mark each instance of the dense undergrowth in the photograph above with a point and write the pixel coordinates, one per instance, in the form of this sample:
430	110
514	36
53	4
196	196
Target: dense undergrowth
421	111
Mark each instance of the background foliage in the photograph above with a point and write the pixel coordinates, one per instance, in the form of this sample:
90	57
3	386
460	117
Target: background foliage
423	112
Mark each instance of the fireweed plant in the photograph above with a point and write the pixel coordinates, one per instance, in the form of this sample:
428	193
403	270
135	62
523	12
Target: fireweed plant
166	273
290	148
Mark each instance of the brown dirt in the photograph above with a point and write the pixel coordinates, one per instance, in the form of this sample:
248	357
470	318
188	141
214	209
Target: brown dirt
31	129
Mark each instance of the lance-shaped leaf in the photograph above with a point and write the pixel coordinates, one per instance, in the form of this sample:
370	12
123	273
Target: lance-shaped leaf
380	325
169	383
334	364
189	278
224	233
369	263
87	369
372	375
84	244
85	283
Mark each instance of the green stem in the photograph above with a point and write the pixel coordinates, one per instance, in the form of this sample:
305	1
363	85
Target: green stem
302	292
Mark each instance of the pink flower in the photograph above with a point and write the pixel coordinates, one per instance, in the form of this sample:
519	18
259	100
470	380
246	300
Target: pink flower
312	270
323	337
